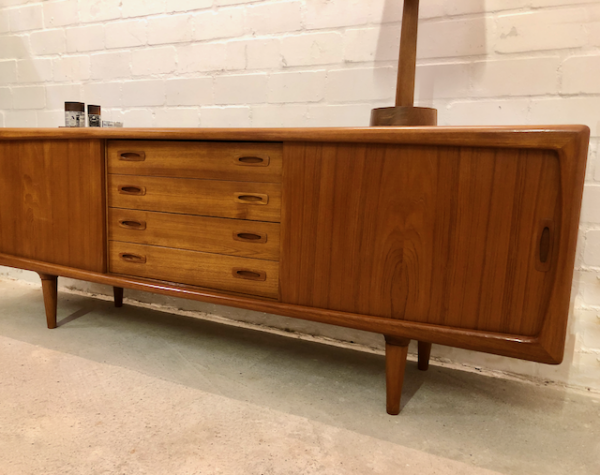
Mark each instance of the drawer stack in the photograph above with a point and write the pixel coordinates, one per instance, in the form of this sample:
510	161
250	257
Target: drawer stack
199	213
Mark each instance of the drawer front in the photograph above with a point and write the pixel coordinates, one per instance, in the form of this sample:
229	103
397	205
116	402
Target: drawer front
232	274
228	199
233	237
242	161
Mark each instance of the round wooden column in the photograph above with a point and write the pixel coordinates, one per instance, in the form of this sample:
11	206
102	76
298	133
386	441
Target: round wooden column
404	113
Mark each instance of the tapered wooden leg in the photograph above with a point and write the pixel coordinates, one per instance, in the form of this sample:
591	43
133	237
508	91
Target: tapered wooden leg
49	288
396	350
424	354
118	293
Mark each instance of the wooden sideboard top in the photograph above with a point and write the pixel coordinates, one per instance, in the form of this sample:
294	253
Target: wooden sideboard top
545	136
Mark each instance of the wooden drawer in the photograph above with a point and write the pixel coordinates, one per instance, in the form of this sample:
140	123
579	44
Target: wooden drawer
209	160
233	237
228	199
233	274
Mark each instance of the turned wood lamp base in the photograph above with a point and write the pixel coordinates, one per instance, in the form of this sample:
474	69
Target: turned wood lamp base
403	116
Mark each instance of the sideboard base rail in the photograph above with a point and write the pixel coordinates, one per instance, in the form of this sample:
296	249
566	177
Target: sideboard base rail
515	346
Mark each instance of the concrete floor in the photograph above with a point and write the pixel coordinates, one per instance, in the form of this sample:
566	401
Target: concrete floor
136	391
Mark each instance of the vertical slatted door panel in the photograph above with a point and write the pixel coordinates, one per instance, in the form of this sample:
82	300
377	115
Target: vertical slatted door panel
490	279
439	235
54	211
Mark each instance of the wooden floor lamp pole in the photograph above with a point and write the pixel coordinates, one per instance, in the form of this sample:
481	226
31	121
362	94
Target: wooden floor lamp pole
404	113
407	59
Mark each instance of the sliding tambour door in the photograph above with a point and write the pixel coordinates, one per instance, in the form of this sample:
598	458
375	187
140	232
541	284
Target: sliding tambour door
464	237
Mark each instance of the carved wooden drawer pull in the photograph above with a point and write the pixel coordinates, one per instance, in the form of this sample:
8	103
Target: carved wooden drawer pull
252	161
132	190
252	198
132	156
132	224
250	237
133	258
242	273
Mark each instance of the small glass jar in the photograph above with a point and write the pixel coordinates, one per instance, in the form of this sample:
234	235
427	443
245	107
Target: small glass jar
74	114
94	116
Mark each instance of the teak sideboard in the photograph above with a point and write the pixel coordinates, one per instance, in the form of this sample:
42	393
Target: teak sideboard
456	236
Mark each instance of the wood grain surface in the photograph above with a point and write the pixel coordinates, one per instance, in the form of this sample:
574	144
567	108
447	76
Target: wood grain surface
530	136
440	235
233	237
258	162
192	196
51	205
234	274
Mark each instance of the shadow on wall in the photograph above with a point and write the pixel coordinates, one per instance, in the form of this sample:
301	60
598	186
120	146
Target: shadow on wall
16	103
438	37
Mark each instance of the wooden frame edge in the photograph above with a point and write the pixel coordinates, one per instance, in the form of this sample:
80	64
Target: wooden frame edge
497	136
572	155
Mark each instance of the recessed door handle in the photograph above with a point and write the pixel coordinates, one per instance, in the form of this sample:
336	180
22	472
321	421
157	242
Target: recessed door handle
545	244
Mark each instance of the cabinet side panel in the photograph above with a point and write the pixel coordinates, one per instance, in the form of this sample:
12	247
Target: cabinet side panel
439	235
52	206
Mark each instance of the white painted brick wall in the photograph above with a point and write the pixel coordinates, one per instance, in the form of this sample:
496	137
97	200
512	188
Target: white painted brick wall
85	38
125	34
113	65
27	17
144	93
241	89
170	29
5	98
39	70
299	86
61	13
14	46
98	10
70	70
29	97
8	72
190	92
185	117
232	116
153	61
48	42
297	63
224	23
279	17
313	49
